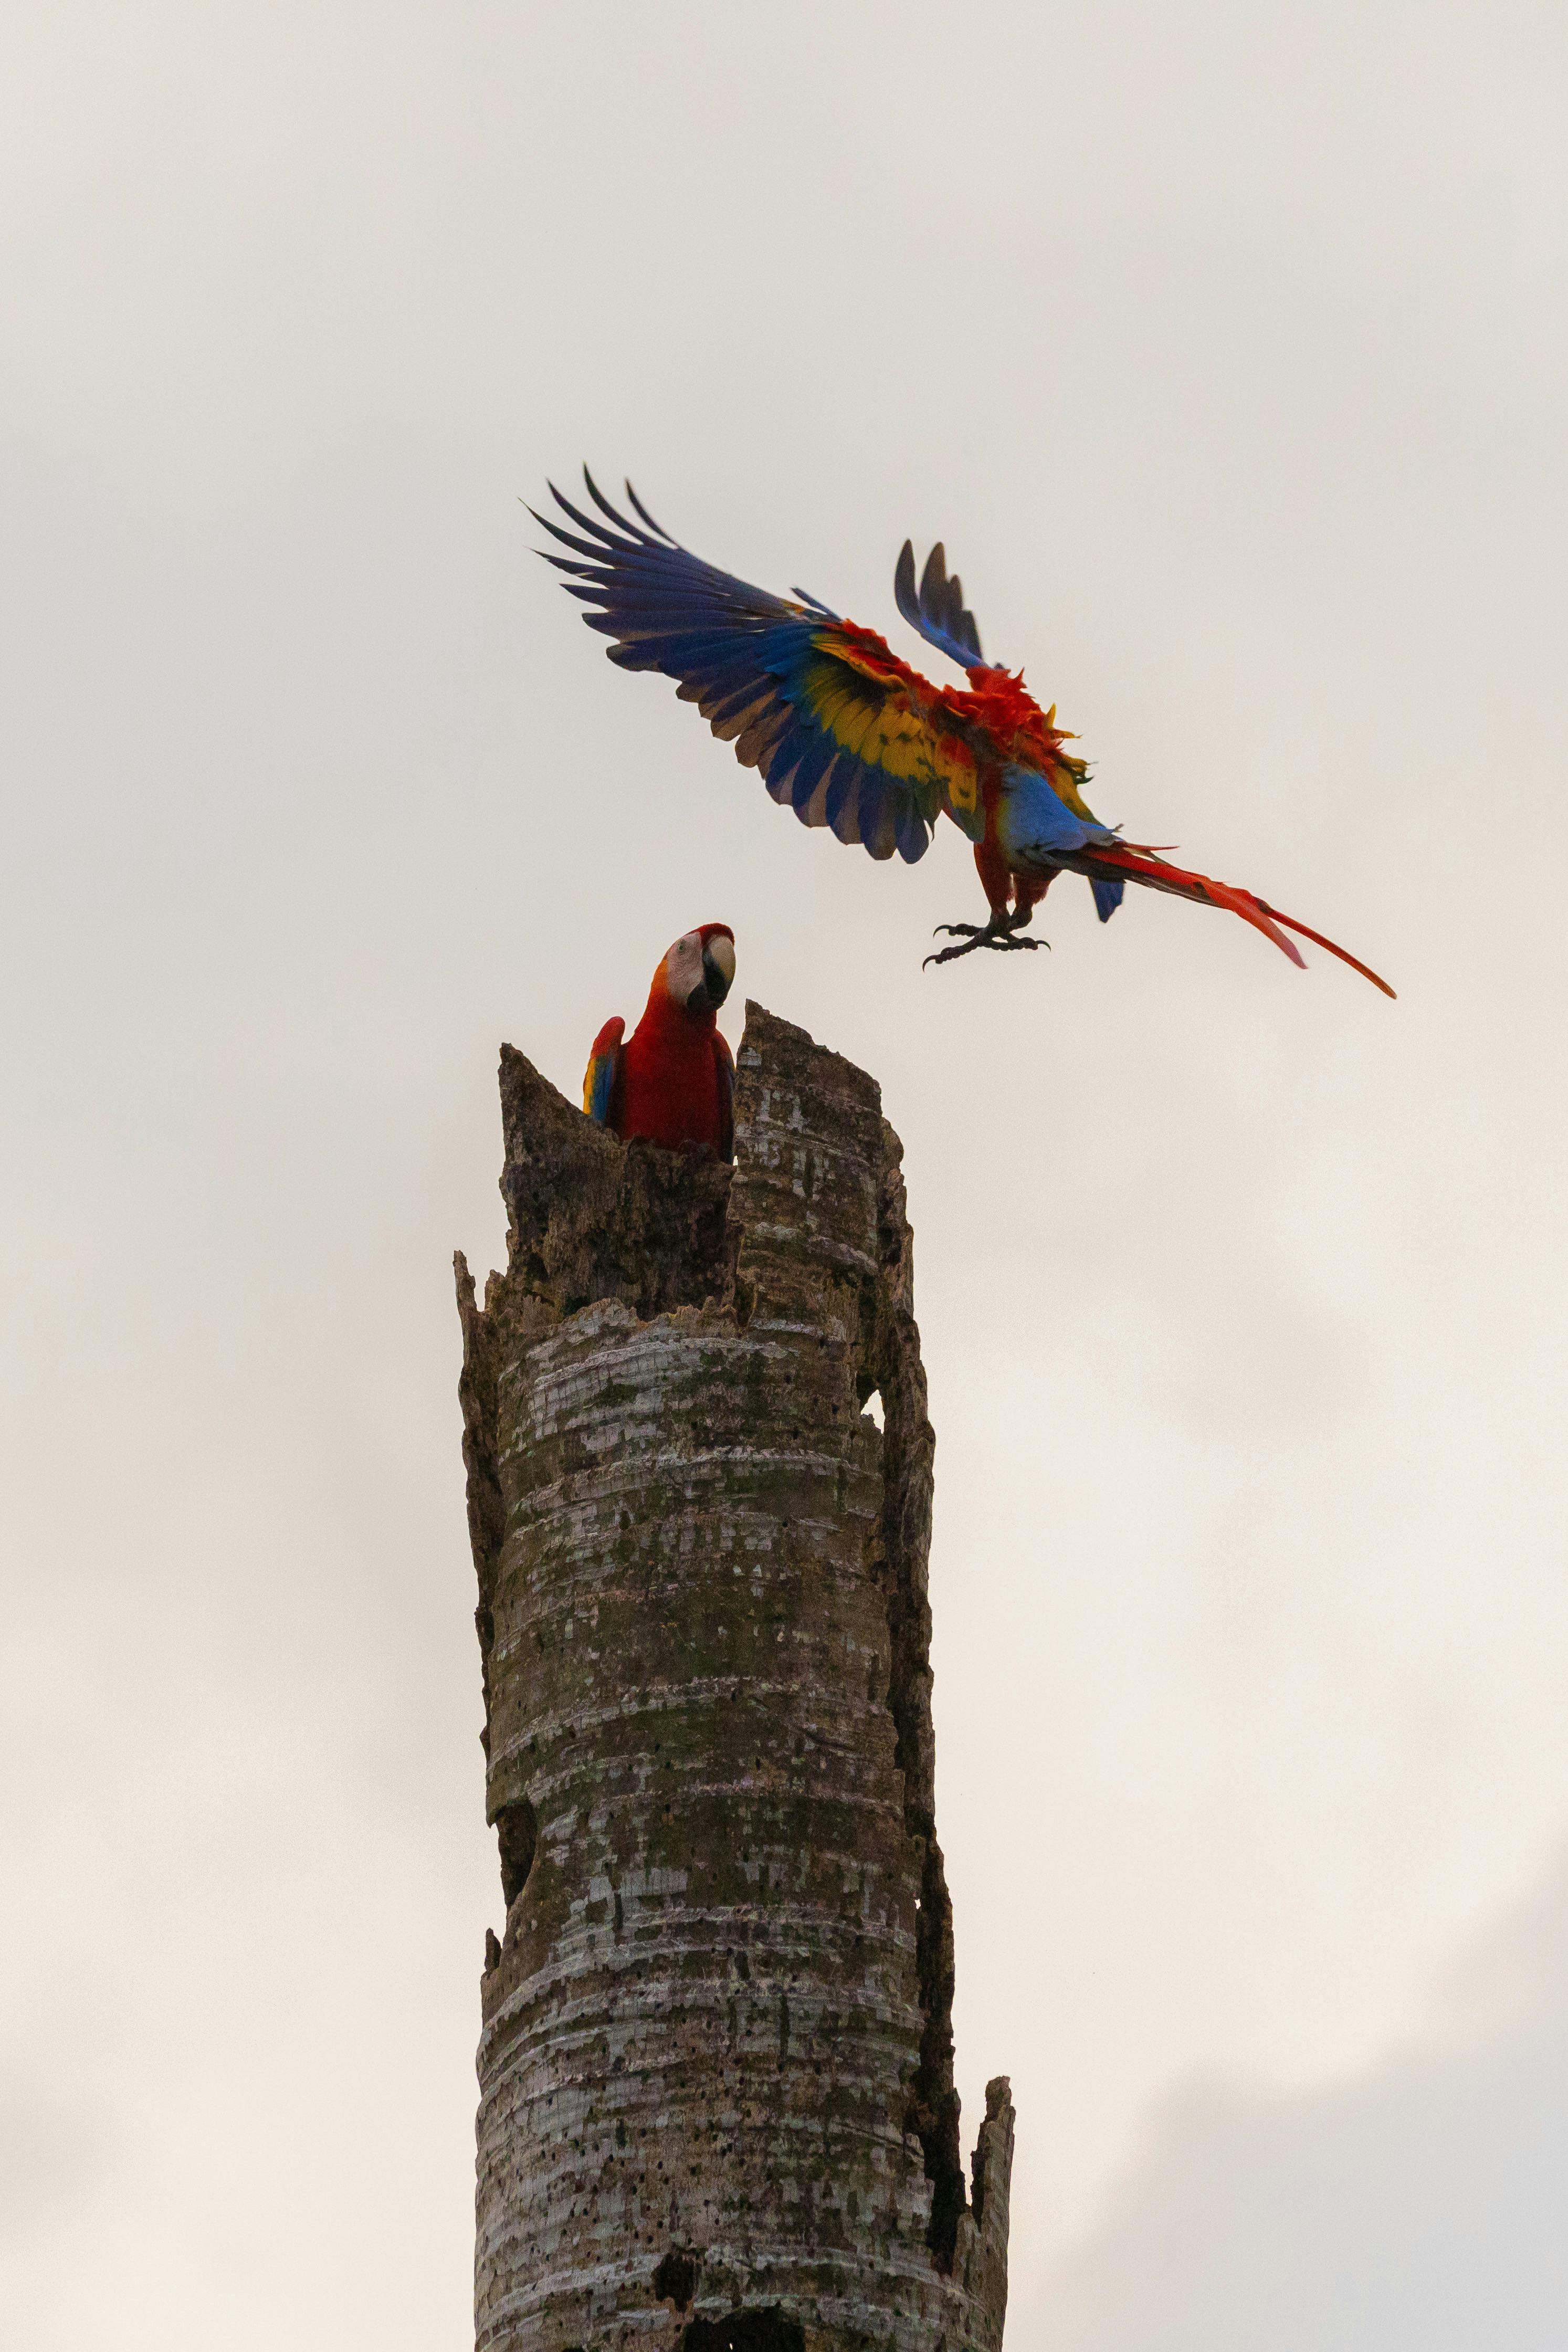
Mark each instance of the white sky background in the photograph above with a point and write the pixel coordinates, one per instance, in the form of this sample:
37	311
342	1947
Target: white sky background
1226	348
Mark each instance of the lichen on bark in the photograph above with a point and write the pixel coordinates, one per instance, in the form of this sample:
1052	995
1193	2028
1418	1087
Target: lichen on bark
716	2063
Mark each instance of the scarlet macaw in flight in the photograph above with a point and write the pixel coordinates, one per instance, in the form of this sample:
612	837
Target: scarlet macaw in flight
852	738
672	1080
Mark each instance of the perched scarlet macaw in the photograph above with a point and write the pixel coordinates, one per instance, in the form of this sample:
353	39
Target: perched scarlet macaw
674	1079
851	736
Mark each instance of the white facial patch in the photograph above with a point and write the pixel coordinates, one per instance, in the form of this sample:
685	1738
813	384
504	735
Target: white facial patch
683	966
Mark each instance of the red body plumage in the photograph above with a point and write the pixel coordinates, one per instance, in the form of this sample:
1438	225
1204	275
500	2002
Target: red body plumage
670	1078
673	1081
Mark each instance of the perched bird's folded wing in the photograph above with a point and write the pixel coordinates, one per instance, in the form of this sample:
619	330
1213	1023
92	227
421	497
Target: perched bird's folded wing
724	1062
602	1079
845	733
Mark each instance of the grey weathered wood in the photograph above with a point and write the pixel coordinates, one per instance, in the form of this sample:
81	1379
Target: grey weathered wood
716	2103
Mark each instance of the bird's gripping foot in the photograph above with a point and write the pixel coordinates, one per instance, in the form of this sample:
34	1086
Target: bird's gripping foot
1001	933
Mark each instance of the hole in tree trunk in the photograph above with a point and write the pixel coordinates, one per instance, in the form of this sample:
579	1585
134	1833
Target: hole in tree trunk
745	2331
518	1828
675	2280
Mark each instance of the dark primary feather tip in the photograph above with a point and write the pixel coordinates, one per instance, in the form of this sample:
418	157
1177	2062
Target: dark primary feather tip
605	538
602	503
648	519
903	590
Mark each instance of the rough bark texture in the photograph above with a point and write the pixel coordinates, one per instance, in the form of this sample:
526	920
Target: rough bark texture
716	2103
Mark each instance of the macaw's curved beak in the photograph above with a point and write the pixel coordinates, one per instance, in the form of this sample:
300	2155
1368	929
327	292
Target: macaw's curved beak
718	975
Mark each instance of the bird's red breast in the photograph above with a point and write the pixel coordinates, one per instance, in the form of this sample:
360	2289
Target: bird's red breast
672	1086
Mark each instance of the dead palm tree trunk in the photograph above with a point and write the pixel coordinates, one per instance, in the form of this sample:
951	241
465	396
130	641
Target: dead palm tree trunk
716	2104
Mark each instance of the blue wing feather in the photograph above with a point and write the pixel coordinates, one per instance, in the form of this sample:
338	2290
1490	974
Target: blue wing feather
1036	828
768	675
937	608
603	1072
814	762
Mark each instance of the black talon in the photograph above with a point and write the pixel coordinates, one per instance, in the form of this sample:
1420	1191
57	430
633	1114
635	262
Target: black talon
1001	936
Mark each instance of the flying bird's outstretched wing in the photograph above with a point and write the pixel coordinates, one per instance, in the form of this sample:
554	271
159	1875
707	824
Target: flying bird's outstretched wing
845	733
852	738
936	609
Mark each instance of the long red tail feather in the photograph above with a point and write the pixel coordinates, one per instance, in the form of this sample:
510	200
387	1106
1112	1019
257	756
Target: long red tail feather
1145	866
1343	954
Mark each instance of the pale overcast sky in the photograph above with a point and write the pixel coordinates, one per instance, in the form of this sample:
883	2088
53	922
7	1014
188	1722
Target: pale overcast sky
1226	347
